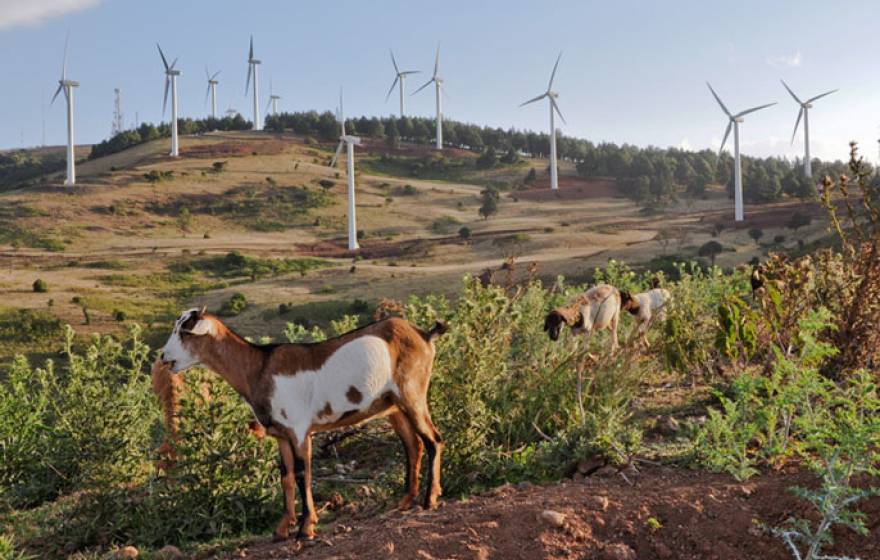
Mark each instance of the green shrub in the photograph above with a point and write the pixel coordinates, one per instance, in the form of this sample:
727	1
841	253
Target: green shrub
234	305
40	286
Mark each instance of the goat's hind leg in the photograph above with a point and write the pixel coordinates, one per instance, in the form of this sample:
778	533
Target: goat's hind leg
286	468
302	465
424	427
413	448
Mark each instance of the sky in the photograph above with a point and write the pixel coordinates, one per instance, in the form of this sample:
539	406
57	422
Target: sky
631	71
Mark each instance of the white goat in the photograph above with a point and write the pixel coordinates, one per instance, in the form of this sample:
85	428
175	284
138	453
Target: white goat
645	307
597	308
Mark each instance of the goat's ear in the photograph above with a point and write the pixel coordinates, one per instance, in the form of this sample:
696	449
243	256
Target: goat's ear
202	327
203	311
624	296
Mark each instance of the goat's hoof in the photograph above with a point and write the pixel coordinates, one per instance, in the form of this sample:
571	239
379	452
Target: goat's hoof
405	503
306	533
276	537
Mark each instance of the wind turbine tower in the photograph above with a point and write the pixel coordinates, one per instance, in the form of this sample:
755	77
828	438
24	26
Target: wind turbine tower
273	101
171	81
438	92
349	141
253	65
735	121
554	110
805	113
399	77
118	117
212	91
67	86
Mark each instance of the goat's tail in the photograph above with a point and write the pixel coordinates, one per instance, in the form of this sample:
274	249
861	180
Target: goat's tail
436	331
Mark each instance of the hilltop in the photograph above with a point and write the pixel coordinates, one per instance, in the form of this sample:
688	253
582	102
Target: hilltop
141	233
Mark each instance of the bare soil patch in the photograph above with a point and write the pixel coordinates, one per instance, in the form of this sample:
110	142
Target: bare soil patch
665	513
260	147
570	188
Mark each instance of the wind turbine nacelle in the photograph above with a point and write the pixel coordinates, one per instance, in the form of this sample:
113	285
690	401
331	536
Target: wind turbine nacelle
172	72
71	83
739	119
808	105
255	61
351	140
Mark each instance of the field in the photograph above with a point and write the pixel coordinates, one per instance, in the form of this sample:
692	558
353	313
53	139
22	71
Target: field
668	450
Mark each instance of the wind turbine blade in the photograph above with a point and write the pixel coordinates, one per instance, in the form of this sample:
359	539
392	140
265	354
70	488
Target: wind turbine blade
553	75
394	62
408	72
753	109
207	74
718	99
791	92
165	99
336	155
64	63
207	93
173	64
426	84
556	108
57	91
437	61
394	83
810	100
251	51
217	73
724	141
247	84
164	60
542	96
796	123
341	110
268	104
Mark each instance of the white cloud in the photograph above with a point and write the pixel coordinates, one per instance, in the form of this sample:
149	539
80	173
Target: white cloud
32	12
787	60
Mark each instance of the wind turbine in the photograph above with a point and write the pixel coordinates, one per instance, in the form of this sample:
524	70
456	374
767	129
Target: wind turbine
253	65
399	76
171	80
554	108
273	101
804	112
734	123
438	90
67	86
349	141
212	90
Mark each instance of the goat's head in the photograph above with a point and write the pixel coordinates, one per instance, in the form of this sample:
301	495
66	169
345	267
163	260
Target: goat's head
629	303
558	317
179	353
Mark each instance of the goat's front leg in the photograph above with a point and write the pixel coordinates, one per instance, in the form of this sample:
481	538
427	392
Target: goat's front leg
613	326
302	463
286	467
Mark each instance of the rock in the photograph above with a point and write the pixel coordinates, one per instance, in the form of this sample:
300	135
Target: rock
668	425
554	518
336	501
524	485
125	552
340	468
599	503
169	552
747	489
618	551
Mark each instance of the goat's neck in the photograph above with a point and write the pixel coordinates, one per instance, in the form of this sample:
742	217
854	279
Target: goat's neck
235	360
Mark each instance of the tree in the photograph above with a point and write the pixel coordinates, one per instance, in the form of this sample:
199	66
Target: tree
464	233
184	219
710	249
489	207
487	159
510	157
531	176
756	234
392	135
799	220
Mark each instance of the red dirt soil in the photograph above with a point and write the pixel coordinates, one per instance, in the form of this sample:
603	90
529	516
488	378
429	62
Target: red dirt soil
570	188
702	516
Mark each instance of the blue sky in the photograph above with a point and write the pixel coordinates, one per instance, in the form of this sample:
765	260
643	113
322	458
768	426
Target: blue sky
632	71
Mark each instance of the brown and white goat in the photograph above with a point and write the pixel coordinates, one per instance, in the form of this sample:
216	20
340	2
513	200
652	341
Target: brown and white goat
645	307
597	308
296	390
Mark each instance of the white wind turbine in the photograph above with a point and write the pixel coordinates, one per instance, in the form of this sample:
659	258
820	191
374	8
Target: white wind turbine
804	112
399	76
212	91
171	80
67	86
349	141
554	108
438	91
734	123
273	101
253	65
